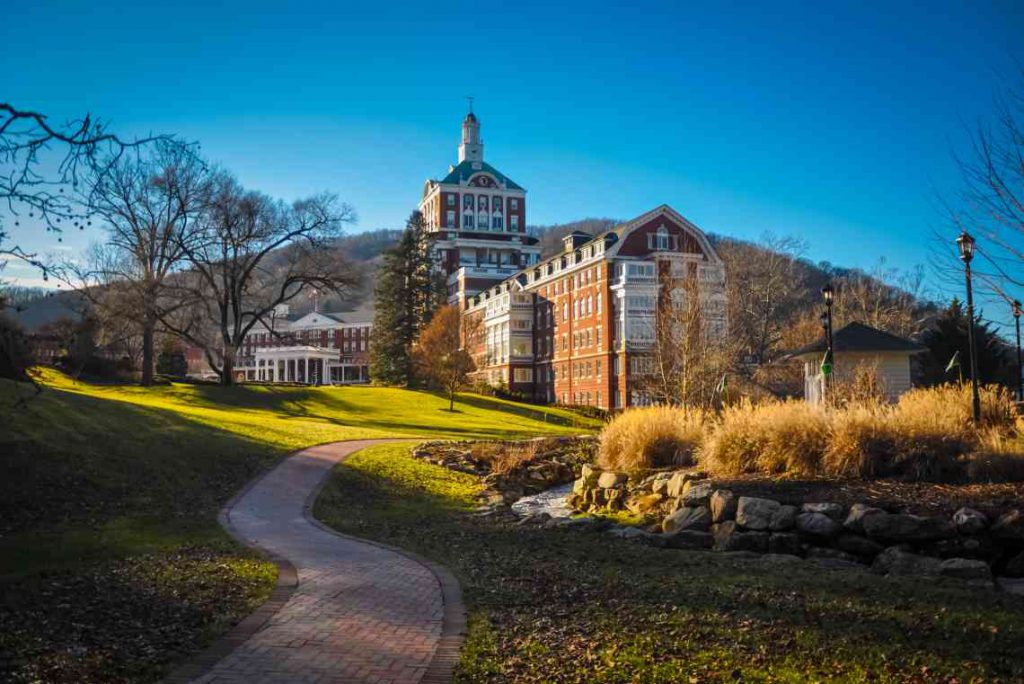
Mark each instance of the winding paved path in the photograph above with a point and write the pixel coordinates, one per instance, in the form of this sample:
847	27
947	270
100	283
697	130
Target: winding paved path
359	612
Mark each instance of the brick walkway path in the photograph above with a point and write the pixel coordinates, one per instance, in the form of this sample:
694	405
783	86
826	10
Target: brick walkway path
361	612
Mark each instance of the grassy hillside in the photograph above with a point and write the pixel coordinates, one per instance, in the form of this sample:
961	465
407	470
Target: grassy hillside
109	544
572	606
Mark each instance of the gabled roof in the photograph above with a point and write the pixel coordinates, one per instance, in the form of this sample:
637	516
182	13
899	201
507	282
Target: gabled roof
467	168
857	337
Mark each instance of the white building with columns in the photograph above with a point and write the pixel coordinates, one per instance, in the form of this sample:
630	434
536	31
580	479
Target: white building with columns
318	348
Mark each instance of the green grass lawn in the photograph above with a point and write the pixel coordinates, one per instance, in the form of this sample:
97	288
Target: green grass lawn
568	606
101	482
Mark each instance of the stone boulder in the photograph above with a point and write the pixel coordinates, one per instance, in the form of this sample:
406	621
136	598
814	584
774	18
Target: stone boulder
855	518
687	518
659	485
678	480
783	519
630	533
1009	526
784	543
896	561
817	525
696	493
689	540
903	527
832	510
960	547
753	513
610	480
970	521
642	505
965	569
728	537
723	505
589	474
1015	566
819	553
858	545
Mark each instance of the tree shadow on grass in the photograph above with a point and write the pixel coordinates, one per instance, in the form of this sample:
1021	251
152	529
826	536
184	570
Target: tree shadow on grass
641	609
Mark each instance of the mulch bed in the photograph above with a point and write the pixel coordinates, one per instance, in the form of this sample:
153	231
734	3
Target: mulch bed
898	496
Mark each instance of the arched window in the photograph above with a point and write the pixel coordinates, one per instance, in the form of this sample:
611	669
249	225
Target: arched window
661	239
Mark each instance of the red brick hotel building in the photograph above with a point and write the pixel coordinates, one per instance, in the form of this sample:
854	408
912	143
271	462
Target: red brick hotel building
577	327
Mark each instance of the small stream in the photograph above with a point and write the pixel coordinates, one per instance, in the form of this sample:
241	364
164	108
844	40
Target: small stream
550	501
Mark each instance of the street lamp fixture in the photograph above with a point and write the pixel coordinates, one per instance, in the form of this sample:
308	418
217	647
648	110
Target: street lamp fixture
966	245
1020	371
828	293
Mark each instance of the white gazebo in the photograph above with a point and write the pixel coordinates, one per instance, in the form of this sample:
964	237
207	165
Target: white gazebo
302	363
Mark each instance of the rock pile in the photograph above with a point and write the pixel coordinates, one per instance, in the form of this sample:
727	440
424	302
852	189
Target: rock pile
552	461
684	509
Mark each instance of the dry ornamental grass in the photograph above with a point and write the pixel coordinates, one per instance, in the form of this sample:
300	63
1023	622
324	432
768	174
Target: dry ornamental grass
927	435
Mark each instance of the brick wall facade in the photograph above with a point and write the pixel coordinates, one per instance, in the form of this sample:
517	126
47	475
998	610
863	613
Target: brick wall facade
585	314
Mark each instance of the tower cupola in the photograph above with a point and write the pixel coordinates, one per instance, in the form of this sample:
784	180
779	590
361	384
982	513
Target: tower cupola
471	148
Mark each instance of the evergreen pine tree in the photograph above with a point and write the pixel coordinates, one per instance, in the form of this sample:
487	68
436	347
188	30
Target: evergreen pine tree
409	289
948	336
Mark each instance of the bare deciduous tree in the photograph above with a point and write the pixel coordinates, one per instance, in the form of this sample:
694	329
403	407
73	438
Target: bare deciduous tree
28	141
765	288
250	255
990	201
691	353
149	201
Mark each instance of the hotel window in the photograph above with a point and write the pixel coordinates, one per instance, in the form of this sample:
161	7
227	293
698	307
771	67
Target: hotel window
513	222
449	220
565	312
597	368
450	200
497	223
590	302
598	336
598	302
513	203
523	374
597	398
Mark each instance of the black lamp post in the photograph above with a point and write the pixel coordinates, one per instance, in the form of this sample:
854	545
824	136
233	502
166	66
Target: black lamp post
828	293
966	244
1020	371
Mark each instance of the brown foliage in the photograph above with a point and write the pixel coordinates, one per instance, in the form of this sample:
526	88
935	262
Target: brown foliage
439	357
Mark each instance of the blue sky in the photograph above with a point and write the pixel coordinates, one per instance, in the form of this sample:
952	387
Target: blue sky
826	121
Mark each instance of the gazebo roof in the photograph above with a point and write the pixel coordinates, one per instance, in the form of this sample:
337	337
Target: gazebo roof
857	337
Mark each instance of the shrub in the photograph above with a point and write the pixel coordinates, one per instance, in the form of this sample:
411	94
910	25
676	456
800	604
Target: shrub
998	458
934	428
651	437
925	436
773	437
512	456
862	441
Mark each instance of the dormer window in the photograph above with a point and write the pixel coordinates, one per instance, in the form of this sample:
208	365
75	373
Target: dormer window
660	240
